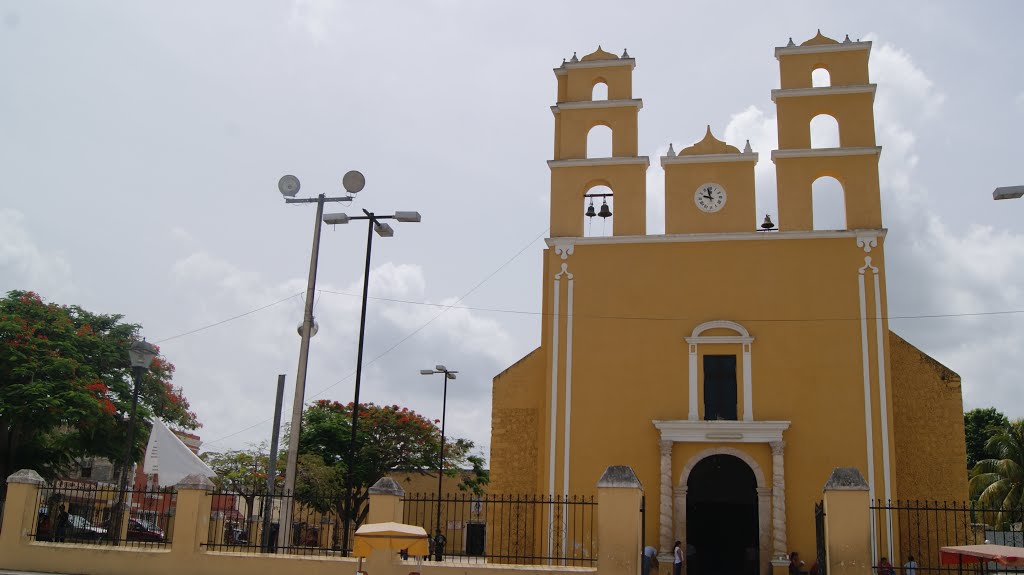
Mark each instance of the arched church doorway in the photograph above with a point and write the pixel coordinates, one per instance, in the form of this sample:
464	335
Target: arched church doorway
721	517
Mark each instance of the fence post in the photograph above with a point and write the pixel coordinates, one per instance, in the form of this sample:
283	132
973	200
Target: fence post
618	522
385	501
19	511
847	523
191	515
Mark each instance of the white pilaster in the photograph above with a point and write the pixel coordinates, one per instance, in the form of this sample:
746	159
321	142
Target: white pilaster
693	415
748	386
764	531
665	525
780	544
680	513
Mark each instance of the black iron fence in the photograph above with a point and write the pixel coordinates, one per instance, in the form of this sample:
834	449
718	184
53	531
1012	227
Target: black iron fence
515	529
236	525
70	513
921	528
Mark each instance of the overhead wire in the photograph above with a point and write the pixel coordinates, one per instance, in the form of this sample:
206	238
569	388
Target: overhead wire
407	337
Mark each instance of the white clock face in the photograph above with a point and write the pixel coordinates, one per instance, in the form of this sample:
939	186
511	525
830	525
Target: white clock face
709	197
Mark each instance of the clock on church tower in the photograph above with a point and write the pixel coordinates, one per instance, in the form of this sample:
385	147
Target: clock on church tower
709	188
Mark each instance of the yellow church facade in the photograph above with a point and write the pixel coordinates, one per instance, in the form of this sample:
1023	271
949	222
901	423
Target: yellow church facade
732	367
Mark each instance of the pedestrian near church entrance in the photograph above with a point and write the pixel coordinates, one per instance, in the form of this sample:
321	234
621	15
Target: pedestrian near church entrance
677	558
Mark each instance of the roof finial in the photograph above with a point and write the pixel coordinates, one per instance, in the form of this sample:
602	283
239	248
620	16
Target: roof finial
563	62
625	53
790	42
709	134
847	39
746	149
574	58
671	150
819	31
599	48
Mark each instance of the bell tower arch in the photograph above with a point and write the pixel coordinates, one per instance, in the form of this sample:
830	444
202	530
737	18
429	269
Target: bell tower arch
849	100
574	168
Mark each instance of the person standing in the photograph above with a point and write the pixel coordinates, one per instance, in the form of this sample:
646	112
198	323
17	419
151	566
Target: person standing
62	524
677	558
439	541
910	567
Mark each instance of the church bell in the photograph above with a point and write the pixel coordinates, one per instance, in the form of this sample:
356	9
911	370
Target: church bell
590	209
605	212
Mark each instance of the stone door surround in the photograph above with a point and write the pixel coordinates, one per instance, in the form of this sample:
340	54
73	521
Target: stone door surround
771	501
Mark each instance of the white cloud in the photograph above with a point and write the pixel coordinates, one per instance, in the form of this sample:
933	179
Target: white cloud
254	348
313	17
24	265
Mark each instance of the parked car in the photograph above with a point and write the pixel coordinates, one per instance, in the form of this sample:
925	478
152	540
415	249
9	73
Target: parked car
78	528
143	531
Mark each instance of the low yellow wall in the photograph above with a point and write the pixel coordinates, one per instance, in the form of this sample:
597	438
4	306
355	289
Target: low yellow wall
187	554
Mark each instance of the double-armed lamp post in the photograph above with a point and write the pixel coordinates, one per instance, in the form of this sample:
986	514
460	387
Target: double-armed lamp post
141	353
448	374
353	182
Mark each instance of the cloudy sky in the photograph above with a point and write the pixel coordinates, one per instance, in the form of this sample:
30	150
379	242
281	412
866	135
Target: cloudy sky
141	144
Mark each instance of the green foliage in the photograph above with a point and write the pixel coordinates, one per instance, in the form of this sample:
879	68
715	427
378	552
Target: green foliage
66	386
389	438
244	472
998	483
978	424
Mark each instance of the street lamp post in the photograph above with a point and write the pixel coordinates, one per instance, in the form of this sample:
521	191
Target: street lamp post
383	229
448	374
289	186
141	354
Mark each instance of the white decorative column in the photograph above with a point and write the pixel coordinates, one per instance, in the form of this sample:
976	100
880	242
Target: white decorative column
665	531
764	531
780	545
680	515
693	415
748	386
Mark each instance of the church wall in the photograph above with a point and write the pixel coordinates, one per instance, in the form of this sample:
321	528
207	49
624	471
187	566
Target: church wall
635	303
931	452
515	419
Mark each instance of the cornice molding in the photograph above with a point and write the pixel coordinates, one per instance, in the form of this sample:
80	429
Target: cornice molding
595	104
821	48
723	237
686	431
824	91
826	152
708	159
564	68
589	162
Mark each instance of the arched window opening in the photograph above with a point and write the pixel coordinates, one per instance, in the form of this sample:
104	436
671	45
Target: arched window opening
600	91
824	132
828	204
599	142
598	212
820	78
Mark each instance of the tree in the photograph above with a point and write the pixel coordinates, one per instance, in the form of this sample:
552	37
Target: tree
998	483
978	424
66	387
244	473
389	438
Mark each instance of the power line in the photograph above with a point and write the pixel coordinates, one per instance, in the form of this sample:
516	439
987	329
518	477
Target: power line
223	321
408	336
670	318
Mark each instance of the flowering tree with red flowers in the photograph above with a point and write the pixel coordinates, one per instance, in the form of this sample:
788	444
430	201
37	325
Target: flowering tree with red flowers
66	386
388	438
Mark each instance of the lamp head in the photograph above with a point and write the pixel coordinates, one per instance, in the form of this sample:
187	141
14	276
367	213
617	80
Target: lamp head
339	218
142	353
426	372
450	375
288	186
353	182
408	216
384	230
440	367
